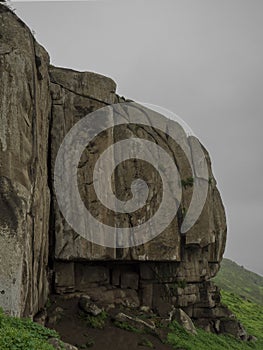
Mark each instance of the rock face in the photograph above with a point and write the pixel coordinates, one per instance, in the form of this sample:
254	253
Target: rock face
24	194
199	252
74	95
172	269
39	105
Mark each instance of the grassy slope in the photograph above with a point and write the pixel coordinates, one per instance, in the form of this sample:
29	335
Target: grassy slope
243	294
236	279
249	313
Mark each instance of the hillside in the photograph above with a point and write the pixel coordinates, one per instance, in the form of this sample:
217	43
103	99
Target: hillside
236	279
249	313
242	292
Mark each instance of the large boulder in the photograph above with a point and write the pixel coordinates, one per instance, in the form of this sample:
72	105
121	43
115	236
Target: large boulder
199	252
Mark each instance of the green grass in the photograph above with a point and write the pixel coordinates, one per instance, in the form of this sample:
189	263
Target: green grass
146	342
236	279
249	313
128	327
180	339
23	334
95	321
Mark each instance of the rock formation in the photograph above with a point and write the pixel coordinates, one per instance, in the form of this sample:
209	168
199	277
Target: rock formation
24	193
39	105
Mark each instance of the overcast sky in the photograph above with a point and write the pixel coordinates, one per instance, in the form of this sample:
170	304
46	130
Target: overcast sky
201	59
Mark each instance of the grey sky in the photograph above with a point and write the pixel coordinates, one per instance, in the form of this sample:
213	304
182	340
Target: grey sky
201	59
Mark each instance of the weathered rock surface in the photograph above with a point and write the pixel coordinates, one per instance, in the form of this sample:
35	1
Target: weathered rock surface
39	105
184	320
76	94
172	269
24	194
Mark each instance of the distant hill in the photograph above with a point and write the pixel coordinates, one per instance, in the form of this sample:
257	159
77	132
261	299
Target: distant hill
236	279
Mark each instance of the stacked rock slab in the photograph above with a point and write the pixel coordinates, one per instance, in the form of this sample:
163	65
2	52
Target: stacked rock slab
39	105
24	195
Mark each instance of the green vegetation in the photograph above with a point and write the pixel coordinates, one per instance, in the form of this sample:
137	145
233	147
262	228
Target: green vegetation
251	316
210	180
21	334
189	182
182	284
183	210
173	288
95	321
248	312
146	342
48	303
127	327
180	339
236	279
243	294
